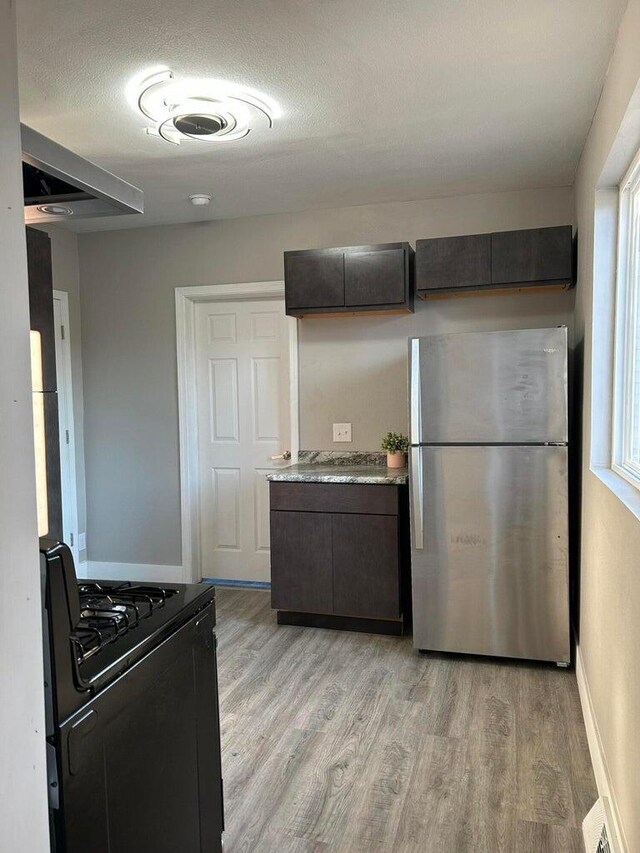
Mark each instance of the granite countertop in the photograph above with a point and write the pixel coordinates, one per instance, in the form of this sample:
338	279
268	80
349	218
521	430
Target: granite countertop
328	467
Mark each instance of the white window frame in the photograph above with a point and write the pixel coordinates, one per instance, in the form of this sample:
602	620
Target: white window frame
627	317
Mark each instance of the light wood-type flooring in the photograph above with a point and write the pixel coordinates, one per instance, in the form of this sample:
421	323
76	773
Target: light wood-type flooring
337	742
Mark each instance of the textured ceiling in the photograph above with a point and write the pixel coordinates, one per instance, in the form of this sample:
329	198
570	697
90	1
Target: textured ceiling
382	100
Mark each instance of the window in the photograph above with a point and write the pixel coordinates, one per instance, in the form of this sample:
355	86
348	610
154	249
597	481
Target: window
626	409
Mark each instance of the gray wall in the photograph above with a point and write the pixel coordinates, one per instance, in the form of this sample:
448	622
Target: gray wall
66	276
23	783
350	369
609	637
355	370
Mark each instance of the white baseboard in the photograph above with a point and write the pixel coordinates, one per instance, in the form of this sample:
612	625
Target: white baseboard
130	572
598	758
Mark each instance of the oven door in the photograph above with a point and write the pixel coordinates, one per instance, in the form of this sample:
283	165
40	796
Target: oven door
140	764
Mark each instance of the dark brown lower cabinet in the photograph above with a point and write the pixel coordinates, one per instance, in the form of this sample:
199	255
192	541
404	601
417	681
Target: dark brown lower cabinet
301	561
366	566
340	556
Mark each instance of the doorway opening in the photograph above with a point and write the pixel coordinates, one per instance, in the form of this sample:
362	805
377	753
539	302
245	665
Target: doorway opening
238	409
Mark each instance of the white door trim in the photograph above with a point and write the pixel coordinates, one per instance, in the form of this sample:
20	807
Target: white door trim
186	299
65	410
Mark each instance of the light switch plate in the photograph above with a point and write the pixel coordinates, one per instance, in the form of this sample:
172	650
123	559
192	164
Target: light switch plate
342	432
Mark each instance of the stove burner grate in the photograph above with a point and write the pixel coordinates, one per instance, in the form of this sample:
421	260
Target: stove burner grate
108	612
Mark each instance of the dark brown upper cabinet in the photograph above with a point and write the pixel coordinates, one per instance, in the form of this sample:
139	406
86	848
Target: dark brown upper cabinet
463	260
42	321
314	280
41	302
374	278
349	280
536	257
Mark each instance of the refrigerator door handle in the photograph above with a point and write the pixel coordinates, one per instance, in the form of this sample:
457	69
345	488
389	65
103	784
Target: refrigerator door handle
415	393
417	489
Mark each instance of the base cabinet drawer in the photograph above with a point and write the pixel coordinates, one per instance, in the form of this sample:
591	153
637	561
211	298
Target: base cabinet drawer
334	497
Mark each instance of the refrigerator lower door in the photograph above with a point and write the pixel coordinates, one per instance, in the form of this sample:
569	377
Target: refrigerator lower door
490	550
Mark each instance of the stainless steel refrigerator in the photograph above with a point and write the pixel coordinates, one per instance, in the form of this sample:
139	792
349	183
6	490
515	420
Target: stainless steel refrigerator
489	493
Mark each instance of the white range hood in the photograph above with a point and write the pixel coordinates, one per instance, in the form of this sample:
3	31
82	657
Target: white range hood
59	184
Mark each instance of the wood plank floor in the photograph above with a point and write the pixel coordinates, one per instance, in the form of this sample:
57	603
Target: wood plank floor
336	742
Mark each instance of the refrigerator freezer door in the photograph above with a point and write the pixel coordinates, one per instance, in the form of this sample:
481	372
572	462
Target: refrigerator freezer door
489	387
492	575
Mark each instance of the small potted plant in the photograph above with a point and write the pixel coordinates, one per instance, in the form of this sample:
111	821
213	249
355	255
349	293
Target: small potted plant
396	446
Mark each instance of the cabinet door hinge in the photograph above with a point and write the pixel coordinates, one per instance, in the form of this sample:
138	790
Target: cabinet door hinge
66	435
71	539
62	332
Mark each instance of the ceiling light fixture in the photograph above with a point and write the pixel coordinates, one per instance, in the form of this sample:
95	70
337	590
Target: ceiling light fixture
55	209
202	110
199	199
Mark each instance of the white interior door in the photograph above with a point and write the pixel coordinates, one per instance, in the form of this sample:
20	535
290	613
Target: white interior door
242	376
65	423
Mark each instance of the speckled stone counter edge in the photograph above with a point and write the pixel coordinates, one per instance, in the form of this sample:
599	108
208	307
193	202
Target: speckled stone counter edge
342	457
329	466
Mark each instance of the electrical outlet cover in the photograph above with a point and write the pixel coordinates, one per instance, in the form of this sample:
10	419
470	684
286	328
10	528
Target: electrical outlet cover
342	432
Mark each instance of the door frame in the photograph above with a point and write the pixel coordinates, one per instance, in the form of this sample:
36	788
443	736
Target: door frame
64	379
186	300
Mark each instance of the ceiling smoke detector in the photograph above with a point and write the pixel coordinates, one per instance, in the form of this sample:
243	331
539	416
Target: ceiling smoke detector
199	199
202	110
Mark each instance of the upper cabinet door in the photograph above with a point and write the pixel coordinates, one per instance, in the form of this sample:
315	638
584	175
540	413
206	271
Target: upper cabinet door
314	279
533	255
453	262
375	277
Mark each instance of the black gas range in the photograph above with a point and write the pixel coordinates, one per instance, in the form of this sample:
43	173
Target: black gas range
133	737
